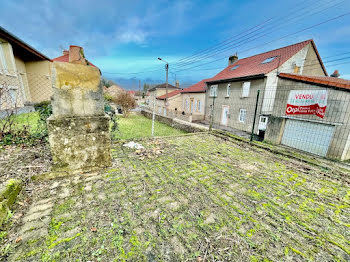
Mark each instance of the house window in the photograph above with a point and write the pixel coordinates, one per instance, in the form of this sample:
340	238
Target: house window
242	115
199	106
3	64
235	67
13	97
213	90
228	90
186	105
268	60
245	89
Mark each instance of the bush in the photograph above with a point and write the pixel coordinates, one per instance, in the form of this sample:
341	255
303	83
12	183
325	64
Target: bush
45	110
126	102
26	128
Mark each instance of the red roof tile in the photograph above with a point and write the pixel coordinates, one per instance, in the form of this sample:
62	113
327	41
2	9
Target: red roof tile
65	58
199	87
253	65
171	94
131	92
322	80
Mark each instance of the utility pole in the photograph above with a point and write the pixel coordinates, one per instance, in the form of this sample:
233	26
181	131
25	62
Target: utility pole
166	86
139	91
153	113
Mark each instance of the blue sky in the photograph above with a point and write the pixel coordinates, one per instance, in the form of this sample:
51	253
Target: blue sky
124	37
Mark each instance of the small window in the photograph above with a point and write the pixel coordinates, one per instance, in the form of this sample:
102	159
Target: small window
245	89
296	69
268	60
3	64
235	67
213	90
242	115
228	90
199	106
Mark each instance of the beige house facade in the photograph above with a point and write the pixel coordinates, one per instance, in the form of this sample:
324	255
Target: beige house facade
187	104
25	73
158	91
193	100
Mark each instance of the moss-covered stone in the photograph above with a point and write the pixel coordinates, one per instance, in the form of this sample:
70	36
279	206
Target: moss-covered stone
80	143
8	197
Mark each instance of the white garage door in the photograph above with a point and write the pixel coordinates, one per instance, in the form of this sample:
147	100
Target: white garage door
307	136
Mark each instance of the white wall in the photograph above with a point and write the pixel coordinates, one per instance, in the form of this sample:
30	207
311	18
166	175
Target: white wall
271	81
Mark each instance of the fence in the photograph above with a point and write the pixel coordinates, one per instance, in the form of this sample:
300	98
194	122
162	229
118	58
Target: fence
308	117
24	107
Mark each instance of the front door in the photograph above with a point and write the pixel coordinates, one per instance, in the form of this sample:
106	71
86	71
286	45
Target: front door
224	115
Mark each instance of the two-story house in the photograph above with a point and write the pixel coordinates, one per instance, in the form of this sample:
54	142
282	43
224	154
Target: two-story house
25	74
158	91
232	93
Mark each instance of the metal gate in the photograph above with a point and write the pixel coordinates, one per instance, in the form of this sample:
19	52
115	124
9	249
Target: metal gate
308	136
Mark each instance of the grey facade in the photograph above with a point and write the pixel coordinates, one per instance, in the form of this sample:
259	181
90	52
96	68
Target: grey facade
235	102
337	116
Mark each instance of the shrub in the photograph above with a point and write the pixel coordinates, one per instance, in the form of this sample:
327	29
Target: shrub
125	101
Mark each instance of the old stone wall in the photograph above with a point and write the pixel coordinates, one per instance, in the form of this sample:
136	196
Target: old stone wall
176	123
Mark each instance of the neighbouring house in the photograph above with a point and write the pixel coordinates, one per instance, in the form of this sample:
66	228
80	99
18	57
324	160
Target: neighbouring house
25	74
193	100
157	91
131	92
113	91
232	94
312	113
188	102
174	103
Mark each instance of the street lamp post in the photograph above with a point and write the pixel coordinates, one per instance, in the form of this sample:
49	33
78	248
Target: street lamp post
166	86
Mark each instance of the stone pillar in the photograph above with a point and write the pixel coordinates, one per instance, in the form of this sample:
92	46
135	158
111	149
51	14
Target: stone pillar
78	128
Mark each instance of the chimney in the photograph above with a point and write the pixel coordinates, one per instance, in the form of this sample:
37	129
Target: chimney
335	73
232	59
76	55
177	84
65	52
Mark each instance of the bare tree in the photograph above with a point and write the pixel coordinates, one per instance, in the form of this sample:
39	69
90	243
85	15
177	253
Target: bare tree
125	101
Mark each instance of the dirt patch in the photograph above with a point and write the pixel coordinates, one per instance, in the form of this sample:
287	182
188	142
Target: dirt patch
22	162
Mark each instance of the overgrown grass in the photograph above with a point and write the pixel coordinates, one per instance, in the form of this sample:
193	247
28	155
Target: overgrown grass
26	119
194	198
138	126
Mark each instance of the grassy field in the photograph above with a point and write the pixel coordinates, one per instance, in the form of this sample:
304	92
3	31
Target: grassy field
137	126
188	198
26	119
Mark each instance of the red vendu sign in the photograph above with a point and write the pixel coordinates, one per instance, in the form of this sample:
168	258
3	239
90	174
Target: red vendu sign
307	102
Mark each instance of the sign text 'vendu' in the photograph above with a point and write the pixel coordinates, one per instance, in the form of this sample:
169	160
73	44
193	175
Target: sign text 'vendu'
307	102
